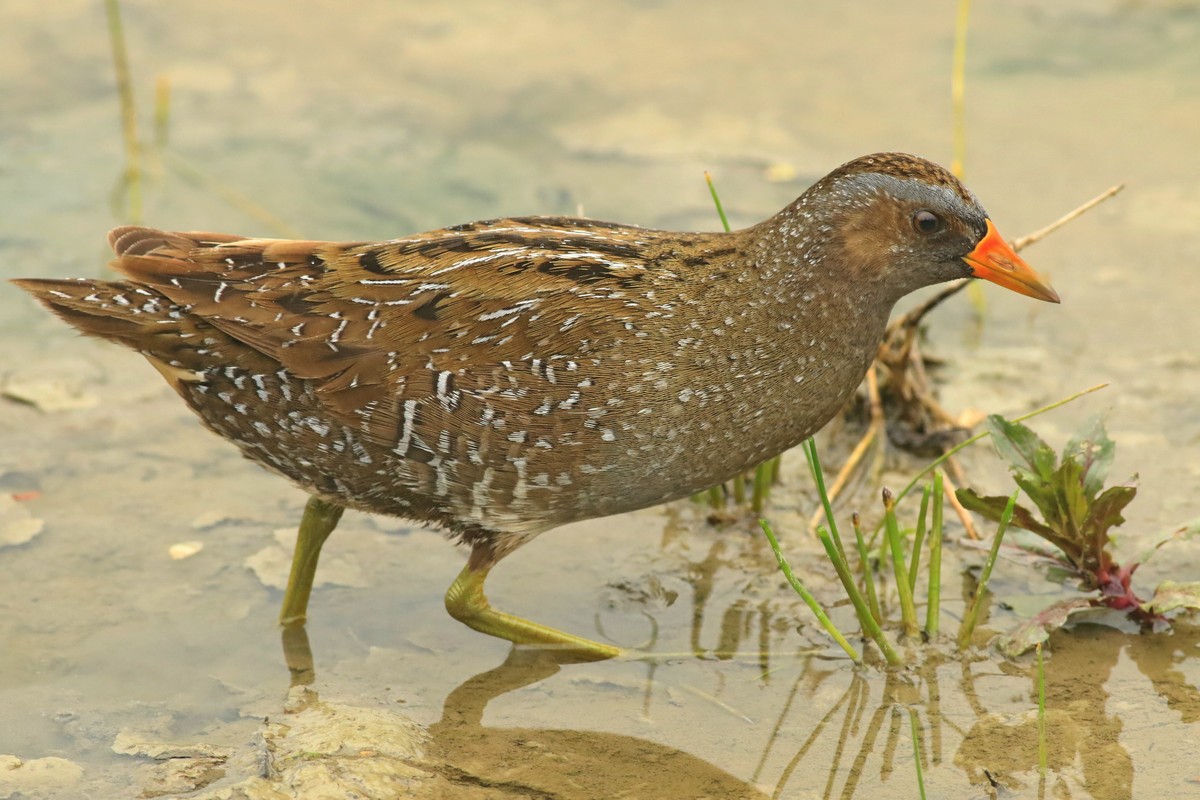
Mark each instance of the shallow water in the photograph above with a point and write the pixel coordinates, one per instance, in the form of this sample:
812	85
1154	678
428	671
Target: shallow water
123	670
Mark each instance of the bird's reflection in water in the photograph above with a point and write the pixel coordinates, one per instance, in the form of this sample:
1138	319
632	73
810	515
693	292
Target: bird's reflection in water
297	654
542	762
559	762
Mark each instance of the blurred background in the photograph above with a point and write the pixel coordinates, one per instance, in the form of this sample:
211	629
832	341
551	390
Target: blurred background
371	120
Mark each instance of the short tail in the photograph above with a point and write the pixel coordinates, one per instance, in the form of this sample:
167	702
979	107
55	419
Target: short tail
121	312
128	312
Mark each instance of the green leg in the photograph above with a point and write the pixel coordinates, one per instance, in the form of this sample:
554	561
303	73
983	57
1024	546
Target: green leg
466	603
320	518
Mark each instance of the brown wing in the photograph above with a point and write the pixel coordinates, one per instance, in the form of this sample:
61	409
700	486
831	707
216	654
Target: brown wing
488	318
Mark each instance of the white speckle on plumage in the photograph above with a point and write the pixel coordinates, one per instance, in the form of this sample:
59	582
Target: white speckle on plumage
520	486
517	308
385	281
406	431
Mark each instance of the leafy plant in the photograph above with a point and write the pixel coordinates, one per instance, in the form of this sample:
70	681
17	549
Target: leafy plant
1078	514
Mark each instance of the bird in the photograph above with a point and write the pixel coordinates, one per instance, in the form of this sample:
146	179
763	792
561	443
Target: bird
501	378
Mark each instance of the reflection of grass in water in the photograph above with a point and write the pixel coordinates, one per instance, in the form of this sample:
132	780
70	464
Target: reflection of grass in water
162	111
1041	687
958	102
232	196
958	111
129	186
128	194
916	740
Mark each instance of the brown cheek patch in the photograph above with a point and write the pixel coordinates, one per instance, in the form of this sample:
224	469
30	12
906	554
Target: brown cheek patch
868	234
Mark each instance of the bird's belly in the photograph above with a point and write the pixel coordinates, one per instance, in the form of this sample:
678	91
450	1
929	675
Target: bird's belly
705	446
572	468
279	422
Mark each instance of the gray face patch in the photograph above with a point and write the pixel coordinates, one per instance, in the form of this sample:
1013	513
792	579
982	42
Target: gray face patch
939	199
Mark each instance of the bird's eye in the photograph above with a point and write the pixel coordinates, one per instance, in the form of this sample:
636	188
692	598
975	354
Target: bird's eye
926	222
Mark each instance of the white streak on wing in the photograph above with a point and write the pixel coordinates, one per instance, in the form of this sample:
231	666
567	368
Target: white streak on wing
406	429
523	305
483	259
591	255
521	487
480	496
337	333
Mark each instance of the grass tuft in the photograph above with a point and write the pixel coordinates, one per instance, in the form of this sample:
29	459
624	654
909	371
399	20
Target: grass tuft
806	596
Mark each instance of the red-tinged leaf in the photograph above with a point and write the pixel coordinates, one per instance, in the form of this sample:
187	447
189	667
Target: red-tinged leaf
1104	514
1094	451
1171	595
1037	628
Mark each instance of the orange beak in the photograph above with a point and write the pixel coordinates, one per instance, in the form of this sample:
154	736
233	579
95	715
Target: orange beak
993	260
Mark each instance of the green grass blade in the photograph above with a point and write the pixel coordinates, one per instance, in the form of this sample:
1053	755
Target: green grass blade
933	602
806	596
958	89
162	111
972	615
712	189
762	485
868	576
814	465
860	607
918	540
908	609
739	489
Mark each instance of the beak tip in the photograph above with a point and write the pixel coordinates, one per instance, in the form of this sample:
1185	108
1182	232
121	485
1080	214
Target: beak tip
1044	291
994	260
